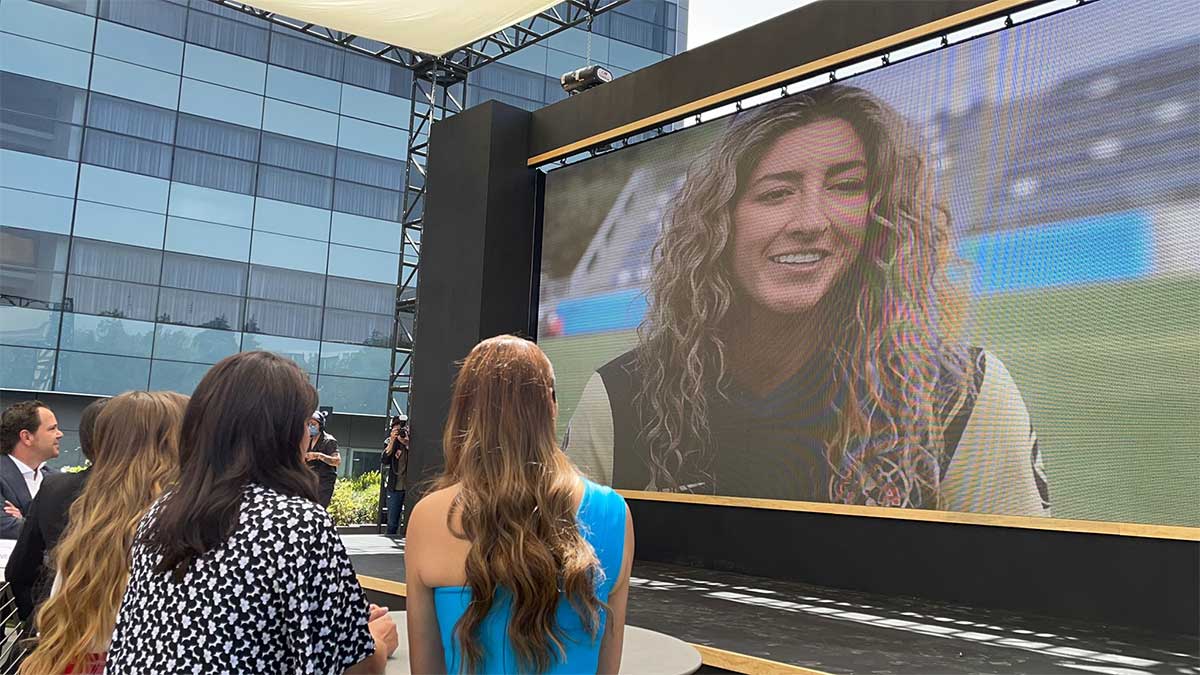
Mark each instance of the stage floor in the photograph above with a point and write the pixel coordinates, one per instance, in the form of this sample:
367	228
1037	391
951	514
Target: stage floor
835	631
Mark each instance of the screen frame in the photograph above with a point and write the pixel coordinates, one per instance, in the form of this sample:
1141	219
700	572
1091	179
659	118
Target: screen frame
985	12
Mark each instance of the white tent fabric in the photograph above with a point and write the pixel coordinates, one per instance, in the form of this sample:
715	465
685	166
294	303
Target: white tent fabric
433	27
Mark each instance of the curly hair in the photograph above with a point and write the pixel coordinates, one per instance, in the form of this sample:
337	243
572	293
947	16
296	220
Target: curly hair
890	346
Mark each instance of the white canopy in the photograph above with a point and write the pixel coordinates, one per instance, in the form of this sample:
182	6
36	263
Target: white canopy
433	27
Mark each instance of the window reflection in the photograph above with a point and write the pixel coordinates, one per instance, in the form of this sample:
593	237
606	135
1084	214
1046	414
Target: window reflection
24	368
101	373
196	345
107	335
205	310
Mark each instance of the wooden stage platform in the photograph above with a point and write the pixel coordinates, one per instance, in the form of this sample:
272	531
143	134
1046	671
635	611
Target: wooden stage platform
754	625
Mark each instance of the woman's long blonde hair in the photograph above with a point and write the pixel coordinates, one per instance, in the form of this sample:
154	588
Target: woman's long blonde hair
894	312
516	502
136	448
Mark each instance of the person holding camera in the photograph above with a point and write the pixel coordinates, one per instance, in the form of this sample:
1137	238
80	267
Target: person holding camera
321	454
395	471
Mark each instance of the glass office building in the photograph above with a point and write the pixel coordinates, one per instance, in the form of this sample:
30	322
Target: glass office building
180	181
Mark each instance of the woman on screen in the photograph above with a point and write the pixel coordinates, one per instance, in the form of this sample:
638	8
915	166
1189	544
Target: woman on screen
802	340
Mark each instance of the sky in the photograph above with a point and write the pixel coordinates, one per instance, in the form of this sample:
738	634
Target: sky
709	20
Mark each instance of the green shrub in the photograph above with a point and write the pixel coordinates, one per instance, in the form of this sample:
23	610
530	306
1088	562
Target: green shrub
355	500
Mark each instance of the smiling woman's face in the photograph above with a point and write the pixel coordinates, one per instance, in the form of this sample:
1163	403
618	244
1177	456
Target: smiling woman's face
801	217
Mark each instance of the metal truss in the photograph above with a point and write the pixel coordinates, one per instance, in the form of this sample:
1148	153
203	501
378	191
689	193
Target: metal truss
438	91
480	53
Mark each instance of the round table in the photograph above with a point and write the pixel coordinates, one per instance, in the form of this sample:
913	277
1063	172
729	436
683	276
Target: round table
644	652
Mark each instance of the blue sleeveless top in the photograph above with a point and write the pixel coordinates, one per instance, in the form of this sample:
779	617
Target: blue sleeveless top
601	520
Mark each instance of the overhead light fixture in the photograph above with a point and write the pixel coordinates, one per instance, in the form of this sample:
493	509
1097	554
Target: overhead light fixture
584	78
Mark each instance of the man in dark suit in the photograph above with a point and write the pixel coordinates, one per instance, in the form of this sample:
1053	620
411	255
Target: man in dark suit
29	438
29	573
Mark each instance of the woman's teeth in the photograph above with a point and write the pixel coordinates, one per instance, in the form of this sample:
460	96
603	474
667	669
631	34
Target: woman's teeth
798	258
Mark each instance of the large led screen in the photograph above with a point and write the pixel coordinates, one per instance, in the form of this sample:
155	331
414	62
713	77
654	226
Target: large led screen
967	281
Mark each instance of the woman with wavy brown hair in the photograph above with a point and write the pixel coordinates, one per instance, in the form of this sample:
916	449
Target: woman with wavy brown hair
136	449
803	339
515	562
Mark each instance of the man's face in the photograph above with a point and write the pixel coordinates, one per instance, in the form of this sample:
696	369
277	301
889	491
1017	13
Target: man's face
44	441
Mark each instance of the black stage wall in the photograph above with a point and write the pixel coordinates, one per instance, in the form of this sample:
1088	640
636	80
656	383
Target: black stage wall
475	282
476	260
1094	577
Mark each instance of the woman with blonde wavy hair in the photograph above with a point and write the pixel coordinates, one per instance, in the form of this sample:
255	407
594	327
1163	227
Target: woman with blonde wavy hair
515	562
136	448
803	334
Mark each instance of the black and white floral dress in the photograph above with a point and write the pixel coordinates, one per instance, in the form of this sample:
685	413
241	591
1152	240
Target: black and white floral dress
279	597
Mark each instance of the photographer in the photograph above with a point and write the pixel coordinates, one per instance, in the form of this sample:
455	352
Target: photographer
395	470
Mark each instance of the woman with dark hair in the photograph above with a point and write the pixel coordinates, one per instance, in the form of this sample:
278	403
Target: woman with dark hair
803	339
236	568
321	454
515	562
27	572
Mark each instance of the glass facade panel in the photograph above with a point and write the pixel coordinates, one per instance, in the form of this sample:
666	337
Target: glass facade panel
107	335
164	18
307	56
215	206
218	138
281	318
210	65
292	153
115	223
355	361
34	211
31	288
212	100
108	186
46	23
127	153
109	260
365	200
285	218
26	368
205	310
135	82
208	239
383	235
44	60
362	296
372	73
175	376
275	283
131	118
24	171
101	373
195	345
373	138
223	34
369	169
295	186
27	327
361	263
357	327
300	121
39	135
376	106
203	274
105	297
286	84
352	395
214	171
306	353
139	46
